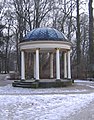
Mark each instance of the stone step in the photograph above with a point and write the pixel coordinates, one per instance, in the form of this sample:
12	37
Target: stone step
41	84
25	85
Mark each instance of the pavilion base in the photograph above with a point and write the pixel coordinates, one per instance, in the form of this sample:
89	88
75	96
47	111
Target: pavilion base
45	83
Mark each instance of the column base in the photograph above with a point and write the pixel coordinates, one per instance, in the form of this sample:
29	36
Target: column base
58	80
36	80
22	79
69	79
51	77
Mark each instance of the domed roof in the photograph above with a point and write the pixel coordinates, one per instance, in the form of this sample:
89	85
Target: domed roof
41	34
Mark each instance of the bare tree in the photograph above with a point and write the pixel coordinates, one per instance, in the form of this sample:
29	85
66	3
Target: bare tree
29	14
91	39
78	41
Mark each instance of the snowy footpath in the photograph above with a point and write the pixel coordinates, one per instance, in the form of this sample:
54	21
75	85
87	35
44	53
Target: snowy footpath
69	103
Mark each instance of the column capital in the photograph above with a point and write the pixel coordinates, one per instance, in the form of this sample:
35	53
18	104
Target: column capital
69	51
37	48
57	48
22	50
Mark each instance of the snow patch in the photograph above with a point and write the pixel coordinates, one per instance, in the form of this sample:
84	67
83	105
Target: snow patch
83	81
42	107
40	104
15	90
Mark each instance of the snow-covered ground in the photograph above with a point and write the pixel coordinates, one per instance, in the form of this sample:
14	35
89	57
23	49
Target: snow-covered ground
42	107
41	104
25	91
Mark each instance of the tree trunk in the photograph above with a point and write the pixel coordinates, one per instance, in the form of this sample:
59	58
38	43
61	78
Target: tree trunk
6	53
36	13
91	42
78	41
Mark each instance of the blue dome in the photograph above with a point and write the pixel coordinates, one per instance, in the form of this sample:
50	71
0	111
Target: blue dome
40	34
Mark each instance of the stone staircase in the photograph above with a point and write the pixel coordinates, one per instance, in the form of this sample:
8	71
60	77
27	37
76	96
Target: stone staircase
42	83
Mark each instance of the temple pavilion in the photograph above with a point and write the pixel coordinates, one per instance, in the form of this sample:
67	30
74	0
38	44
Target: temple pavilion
46	40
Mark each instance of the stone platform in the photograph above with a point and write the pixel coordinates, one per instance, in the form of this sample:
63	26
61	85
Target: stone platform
42	83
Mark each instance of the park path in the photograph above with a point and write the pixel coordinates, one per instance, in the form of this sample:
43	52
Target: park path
86	113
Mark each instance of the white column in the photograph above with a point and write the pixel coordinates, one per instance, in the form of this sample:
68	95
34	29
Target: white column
65	65
57	64
51	65
34	65
69	66
22	65
37	64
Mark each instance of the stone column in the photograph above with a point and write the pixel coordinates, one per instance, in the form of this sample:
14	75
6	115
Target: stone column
34	65
65	65
22	65
37	64
57	64
69	66
51	65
